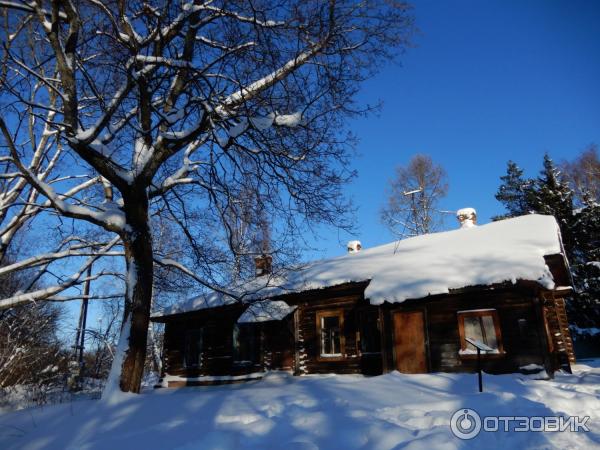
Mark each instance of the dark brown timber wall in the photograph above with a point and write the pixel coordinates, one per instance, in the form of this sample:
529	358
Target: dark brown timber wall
293	344
275	340
520	325
349	300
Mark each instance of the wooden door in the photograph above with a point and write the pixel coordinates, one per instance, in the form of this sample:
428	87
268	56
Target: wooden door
409	342
280	342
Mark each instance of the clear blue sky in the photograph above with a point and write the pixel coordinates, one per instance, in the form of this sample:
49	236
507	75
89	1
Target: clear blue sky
487	81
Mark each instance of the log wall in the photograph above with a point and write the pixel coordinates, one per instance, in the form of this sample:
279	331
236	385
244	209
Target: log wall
217	359
522	341
293	344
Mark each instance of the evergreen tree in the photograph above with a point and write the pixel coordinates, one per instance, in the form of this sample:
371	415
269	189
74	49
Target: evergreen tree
551	196
512	193
585	266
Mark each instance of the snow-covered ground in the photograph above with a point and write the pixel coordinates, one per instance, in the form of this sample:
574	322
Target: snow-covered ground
392	411
28	396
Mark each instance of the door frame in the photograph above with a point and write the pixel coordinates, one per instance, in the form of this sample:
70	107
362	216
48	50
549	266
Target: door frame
423	311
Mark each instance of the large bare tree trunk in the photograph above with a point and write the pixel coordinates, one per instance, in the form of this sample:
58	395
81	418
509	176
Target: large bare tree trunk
128	365
138	254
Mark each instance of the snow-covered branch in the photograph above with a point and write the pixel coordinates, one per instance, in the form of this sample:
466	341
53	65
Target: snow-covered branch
51	291
111	218
249	92
28	7
45	258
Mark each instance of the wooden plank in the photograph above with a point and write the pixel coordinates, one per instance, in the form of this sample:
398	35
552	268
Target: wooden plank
409	342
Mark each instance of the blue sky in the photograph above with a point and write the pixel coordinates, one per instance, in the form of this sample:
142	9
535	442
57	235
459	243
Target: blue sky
486	81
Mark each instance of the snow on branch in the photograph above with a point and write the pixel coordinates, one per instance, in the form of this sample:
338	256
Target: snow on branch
28	8
89	135
253	89
68	298
112	219
242	18
44	258
51	291
170	62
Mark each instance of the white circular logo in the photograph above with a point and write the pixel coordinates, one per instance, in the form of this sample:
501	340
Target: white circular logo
465	423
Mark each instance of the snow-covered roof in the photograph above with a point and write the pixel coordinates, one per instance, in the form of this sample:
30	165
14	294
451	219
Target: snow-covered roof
265	311
507	250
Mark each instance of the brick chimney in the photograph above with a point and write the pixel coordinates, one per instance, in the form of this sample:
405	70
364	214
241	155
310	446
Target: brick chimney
354	246
467	217
263	265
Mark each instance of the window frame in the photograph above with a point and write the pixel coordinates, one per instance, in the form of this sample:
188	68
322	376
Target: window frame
493	313
330	356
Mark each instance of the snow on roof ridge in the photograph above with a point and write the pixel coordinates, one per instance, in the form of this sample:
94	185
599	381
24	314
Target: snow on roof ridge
507	250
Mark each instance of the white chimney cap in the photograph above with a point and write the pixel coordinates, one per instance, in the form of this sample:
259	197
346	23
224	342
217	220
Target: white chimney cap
467	217
354	246
466	212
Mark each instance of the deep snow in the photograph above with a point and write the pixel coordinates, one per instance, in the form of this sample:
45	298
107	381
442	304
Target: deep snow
392	411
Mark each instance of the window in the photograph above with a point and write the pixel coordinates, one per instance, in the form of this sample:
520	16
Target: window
479	325
245	344
193	348
370	336
330	325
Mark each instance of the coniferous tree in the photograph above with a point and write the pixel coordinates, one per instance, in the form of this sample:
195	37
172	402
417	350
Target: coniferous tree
512	193
585	265
551	194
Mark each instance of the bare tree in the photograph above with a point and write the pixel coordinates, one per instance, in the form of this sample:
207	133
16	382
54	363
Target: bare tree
250	233
42	153
583	173
414	195
174	106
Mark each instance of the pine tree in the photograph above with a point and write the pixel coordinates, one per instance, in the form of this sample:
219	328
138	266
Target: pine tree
552	196
512	193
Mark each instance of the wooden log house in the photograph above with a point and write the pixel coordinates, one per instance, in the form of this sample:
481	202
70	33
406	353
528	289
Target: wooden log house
360	313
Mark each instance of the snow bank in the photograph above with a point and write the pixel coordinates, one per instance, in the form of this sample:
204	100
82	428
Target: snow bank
508	250
326	412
